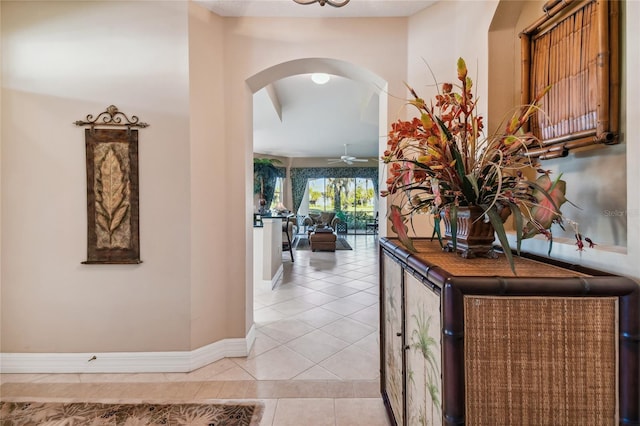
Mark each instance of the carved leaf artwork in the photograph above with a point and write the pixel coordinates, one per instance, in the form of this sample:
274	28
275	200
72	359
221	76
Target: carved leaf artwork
112	194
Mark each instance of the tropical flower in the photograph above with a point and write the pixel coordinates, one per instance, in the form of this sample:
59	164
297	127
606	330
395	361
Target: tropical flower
440	160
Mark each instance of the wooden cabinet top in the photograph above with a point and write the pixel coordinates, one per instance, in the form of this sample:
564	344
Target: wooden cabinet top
534	273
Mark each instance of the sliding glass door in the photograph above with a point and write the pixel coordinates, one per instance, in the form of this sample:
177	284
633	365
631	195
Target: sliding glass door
353	200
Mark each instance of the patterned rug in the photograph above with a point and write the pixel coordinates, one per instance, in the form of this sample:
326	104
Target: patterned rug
96	414
303	244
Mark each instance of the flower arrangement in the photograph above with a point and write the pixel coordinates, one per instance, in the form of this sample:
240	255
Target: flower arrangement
441	160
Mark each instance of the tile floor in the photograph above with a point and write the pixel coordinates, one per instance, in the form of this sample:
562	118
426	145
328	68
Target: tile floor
315	360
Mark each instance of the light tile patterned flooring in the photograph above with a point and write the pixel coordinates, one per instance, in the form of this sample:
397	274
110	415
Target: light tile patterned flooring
315	360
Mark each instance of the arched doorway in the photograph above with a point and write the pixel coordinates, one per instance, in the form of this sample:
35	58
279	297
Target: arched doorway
332	67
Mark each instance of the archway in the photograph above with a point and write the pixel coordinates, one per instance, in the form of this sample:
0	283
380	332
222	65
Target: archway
307	66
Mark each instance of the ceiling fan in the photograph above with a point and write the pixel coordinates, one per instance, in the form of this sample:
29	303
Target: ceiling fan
346	158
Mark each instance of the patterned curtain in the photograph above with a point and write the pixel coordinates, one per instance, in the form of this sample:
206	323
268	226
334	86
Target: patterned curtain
300	176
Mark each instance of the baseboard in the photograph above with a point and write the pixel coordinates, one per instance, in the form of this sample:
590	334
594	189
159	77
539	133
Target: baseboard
126	362
250	339
276	276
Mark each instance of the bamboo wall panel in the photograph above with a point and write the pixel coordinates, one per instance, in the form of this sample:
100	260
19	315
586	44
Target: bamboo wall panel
573	49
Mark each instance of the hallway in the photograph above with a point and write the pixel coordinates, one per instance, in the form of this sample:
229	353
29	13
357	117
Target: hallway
320	322
314	360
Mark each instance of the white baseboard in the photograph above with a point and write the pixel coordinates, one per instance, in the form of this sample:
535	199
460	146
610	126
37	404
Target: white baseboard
273	281
277	276
126	362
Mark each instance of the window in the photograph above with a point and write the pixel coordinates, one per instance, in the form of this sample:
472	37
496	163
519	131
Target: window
353	200
277	193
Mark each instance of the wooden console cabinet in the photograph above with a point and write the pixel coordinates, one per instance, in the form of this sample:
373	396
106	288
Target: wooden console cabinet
466	342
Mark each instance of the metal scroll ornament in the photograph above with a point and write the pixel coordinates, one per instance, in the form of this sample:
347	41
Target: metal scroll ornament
112	187
111	117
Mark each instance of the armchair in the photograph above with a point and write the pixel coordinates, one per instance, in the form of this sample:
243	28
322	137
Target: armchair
289	231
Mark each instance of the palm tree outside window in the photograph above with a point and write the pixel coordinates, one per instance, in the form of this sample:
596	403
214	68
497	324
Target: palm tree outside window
353	200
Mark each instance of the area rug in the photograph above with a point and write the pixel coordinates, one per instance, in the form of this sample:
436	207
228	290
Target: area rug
96	414
303	244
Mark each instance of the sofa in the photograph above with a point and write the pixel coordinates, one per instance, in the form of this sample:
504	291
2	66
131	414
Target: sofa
321	218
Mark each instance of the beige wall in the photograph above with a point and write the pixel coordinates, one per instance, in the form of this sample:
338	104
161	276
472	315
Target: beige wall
1	201
438	36
184	71
259	45
601	181
62	61
595	172
211	294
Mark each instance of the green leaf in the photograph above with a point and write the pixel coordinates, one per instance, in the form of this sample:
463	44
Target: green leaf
517	217
498	226
467	187
267	161
443	128
436	230
473	181
462	69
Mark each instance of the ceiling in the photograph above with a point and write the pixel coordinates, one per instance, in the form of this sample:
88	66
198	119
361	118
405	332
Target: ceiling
316	120
294	117
290	9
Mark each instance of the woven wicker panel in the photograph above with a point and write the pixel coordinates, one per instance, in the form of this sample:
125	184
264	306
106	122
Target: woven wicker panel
430	251
540	361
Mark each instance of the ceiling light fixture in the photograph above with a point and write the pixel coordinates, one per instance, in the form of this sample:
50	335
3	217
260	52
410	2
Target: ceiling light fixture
323	2
320	78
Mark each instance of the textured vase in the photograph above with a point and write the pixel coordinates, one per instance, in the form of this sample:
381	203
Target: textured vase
474	236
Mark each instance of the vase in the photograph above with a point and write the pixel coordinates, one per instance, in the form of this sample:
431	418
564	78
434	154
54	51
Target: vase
474	236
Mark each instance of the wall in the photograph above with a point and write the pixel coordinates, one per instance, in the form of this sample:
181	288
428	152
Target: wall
211	294
438	36
601	181
183	70
62	61
588	187
260	45
1	78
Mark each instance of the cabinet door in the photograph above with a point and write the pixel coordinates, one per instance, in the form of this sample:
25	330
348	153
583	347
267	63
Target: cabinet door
424	354
391	333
